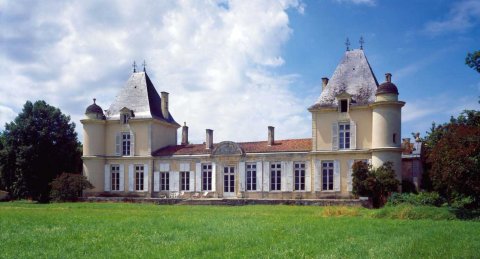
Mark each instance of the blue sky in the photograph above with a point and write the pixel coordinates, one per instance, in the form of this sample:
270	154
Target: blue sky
237	66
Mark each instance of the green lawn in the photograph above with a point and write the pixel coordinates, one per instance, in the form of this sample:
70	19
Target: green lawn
143	230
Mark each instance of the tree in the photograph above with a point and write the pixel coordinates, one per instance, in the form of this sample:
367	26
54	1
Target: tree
376	183
37	146
68	187
473	60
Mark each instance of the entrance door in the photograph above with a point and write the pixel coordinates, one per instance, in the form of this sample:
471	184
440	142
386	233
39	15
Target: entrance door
229	181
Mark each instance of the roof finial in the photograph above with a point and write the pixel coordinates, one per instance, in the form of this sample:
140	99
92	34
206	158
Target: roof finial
94	99
184	123
361	42
347	43
134	67
144	65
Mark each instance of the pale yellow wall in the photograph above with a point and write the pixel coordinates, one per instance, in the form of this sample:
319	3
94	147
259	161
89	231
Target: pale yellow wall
93	169
162	135
93	137
141	130
394	156
385	122
322	127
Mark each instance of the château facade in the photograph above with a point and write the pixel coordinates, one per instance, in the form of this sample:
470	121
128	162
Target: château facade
131	149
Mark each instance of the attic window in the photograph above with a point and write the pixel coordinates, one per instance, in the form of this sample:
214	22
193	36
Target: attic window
344	105
125	118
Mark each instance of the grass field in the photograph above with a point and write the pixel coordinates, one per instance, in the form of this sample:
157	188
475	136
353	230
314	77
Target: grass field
116	230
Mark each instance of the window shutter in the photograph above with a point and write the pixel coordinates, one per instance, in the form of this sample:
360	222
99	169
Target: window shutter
145	177
283	176
132	144
241	171
336	176
122	177
192	181
198	177
289	176
174	181
317	171
214	177
266	176
350	177
308	177
353	135
118	143
335	136
156	181
107	180
259	176
130	178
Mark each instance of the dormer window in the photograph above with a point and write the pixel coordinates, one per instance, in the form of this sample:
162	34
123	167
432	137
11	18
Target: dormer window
125	118
125	115
344	105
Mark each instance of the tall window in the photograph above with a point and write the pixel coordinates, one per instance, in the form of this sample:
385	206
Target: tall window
343	105
206	177
139	176
125	143
184	181
115	171
299	170
251	176
164	181
275	176
327	175
344	136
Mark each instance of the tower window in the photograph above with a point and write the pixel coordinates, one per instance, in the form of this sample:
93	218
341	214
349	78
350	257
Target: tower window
394	138
344	105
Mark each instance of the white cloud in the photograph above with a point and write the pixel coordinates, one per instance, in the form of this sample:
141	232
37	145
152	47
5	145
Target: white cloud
462	16
358	2
6	115
217	60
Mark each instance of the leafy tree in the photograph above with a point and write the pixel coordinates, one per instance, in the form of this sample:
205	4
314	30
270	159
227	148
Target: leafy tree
376	183
68	187
473	60
37	146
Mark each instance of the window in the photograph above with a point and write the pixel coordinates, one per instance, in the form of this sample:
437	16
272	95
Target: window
229	179
126	143
344	136
125	118
251	176
139	176
394	137
115	171
327	175
206	177
164	181
343	105
185	181
299	170
275	176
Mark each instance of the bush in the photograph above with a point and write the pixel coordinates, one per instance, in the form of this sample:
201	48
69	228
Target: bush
408	211
408	186
420	199
68	187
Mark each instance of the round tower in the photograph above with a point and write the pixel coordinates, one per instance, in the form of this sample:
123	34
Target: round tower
386	126
93	131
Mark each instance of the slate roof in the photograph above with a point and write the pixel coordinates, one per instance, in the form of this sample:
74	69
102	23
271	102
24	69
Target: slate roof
387	88
354	76
287	145
139	94
94	108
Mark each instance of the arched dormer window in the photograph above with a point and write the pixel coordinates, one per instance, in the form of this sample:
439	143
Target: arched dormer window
343	102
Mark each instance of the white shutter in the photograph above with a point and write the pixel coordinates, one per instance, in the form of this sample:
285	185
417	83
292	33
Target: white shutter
145	177
214	177
353	135
241	171
266	176
349	177
122	178
198	177
336	175
308	177
283	176
156	181
130	178
107	181
192	181
289	176
132	144
317	171
174	181
259	176
118	150
334	136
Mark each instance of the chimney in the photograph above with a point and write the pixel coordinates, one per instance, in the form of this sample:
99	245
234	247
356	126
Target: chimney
185	134
388	77
165	105
209	140
324	83
271	135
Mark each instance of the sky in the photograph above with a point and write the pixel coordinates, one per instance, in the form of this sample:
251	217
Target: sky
237	66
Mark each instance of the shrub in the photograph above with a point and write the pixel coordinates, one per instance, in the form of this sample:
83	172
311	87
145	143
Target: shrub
408	211
68	187
420	199
408	186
